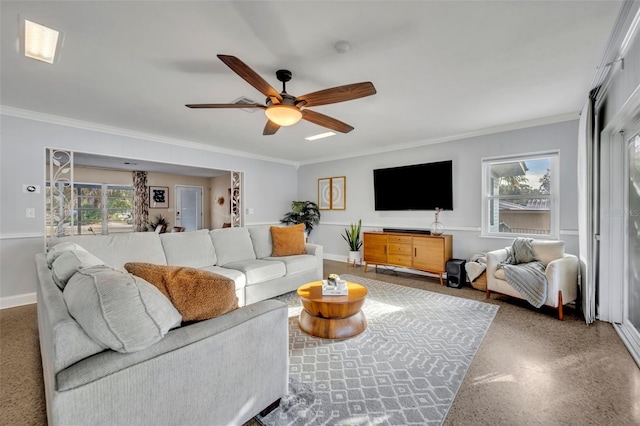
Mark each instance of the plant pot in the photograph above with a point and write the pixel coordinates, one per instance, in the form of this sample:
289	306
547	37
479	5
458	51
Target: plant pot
355	256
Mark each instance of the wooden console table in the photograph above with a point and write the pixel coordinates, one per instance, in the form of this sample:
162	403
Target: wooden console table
422	252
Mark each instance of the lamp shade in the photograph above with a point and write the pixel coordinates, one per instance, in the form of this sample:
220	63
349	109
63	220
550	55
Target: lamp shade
283	115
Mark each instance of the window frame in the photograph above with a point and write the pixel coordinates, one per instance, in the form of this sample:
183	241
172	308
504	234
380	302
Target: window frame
554	196
77	196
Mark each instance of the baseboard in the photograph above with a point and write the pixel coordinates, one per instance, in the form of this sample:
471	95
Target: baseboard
19	300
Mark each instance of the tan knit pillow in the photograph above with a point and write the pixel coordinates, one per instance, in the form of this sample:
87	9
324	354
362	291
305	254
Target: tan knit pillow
198	295
288	241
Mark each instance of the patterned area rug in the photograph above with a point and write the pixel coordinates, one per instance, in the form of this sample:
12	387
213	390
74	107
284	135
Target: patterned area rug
404	369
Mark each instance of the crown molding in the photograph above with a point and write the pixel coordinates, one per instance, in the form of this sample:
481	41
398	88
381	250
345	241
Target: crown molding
96	127
85	125
482	132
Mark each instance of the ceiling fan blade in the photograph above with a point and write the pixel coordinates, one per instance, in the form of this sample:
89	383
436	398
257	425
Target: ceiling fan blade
270	128
326	121
225	106
250	76
337	94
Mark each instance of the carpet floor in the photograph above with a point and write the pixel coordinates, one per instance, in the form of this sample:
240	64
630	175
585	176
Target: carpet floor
404	369
530	368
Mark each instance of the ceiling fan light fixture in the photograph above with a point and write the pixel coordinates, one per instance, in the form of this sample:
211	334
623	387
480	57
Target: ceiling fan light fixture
283	115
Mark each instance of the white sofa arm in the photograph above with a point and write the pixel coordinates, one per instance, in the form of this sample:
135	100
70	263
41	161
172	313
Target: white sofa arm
493	259
562	275
318	252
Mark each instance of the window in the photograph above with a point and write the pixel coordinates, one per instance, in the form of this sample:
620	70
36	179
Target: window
97	209
520	196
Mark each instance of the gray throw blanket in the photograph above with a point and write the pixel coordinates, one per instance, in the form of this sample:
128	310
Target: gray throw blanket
524	273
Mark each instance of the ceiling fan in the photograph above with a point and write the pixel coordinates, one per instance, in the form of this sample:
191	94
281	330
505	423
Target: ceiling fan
282	109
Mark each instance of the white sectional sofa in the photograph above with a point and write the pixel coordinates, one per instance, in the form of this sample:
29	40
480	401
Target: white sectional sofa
218	371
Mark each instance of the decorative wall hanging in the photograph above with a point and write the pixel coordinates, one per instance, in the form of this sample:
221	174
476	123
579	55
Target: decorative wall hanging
159	197
332	193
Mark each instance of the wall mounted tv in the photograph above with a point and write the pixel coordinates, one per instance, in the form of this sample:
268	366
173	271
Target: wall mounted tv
415	187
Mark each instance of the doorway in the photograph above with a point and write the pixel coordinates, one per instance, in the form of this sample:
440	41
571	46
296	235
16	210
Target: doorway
189	207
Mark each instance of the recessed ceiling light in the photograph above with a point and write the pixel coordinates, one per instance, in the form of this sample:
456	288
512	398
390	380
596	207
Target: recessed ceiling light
40	42
320	136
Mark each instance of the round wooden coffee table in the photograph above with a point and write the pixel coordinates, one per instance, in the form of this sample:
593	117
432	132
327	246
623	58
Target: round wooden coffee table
332	317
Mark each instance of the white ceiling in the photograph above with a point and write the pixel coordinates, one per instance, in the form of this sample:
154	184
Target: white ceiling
442	69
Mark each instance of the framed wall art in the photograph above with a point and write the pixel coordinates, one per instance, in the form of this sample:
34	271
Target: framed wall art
332	193
158	197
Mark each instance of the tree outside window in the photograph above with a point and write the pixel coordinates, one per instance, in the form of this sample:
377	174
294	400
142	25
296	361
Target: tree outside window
98	209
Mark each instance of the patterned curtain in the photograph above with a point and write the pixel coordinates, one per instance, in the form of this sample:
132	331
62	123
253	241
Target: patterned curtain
140	201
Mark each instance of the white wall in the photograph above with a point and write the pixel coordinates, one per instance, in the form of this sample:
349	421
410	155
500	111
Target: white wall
269	186
220	212
23	143
465	220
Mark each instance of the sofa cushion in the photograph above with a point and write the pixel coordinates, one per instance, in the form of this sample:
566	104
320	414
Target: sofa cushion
232	245
262	242
194	249
118	310
547	250
257	270
237	276
57	250
296	264
69	262
197	294
117	249
287	241
500	274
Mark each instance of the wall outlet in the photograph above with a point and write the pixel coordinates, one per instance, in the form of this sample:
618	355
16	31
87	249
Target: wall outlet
30	212
249	210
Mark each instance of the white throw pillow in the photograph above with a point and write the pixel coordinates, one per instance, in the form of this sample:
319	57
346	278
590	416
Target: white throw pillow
69	262
57	250
118	310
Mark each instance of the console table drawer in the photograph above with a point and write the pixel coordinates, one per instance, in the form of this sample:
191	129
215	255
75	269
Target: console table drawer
398	239
400	260
401	249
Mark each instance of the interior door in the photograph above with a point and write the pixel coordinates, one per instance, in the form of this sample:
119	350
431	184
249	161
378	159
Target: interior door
189	207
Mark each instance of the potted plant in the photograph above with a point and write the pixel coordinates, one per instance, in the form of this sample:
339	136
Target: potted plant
160	220
352	237
306	212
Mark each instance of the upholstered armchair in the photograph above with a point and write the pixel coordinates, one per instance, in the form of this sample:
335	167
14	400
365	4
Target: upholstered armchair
561	271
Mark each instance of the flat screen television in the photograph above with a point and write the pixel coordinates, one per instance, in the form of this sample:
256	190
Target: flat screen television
415	187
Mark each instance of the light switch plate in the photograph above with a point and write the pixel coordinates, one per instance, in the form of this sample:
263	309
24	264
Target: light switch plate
30	212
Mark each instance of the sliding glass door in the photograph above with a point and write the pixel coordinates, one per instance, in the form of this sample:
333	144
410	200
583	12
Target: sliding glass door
631	320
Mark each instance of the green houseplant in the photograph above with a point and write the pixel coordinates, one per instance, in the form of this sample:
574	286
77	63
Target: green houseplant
306	212
159	220
352	237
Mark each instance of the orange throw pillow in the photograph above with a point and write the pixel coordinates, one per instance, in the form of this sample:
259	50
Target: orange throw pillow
288	241
198	295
